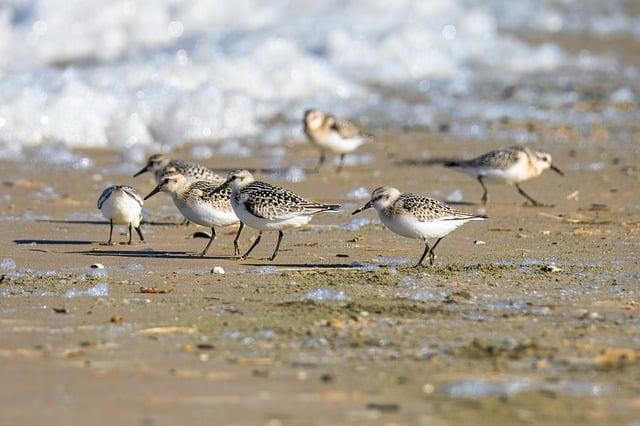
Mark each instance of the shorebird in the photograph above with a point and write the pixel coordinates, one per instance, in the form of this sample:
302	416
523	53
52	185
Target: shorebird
511	165
270	208
336	135
416	216
201	202
159	164
121	205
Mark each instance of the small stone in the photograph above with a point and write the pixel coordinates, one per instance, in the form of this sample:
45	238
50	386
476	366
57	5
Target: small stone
479	242
326	377
594	315
550	268
117	319
428	388
356	239
218	270
581	313
97	266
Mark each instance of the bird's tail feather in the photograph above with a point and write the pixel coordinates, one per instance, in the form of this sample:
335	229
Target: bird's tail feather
470	217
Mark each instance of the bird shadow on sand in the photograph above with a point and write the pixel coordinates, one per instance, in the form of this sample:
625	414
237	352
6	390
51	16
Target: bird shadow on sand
424	162
54	242
151	254
303	265
104	222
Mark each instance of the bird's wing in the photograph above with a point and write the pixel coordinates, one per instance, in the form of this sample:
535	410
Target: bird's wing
272	202
427	209
345	128
133	193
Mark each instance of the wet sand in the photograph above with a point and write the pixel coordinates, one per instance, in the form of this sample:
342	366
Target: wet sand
538	324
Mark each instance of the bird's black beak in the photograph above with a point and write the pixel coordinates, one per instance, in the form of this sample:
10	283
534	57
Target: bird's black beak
145	169
557	170
154	192
363	208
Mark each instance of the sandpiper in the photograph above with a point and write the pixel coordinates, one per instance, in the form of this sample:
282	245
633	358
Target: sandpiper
332	134
159	164
416	216
508	165
269	208
201	202
122	205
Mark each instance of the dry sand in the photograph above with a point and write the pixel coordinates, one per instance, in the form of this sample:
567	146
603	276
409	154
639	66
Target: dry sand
540	324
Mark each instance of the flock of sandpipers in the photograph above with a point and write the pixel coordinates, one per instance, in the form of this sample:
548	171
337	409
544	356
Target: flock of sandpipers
207	199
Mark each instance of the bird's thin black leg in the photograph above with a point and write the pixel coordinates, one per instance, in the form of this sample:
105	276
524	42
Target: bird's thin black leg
139	231
130	233
110	231
255	243
213	237
485	194
527	196
426	250
341	163
432	255
320	161
275	252
236	244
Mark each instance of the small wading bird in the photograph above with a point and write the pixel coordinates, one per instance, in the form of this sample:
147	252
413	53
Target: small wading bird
508	165
121	205
200	202
332	134
269	208
159	164
417	217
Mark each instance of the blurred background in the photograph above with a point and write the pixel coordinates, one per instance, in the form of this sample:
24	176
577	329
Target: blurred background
233	76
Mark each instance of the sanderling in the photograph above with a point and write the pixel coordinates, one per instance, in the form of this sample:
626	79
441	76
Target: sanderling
159	164
332	134
121	205
201	202
508	165
416	216
270	208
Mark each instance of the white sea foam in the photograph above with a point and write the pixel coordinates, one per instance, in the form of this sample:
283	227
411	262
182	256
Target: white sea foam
160	73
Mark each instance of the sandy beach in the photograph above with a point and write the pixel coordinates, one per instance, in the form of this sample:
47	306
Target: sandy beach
530	316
